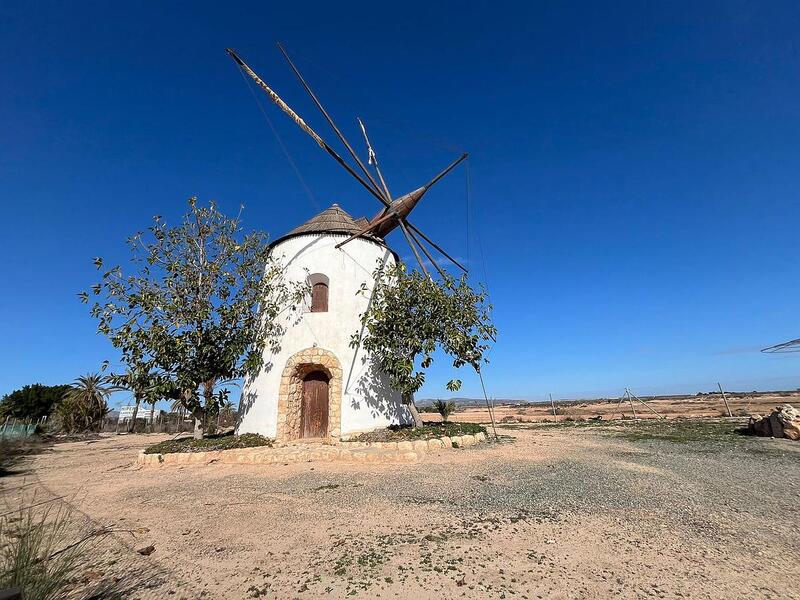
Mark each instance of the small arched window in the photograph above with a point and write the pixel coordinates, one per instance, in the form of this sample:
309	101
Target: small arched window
319	292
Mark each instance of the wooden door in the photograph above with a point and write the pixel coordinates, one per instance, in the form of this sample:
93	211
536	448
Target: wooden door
314	412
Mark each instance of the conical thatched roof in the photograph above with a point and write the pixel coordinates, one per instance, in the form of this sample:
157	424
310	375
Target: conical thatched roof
330	220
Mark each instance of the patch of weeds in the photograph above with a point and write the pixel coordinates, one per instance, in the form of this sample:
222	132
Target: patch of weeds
226	441
371	560
680	431
44	555
256	592
569	423
426	432
340	566
327	486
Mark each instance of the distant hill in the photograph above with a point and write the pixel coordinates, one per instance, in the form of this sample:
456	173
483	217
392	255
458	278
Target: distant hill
476	401
467	402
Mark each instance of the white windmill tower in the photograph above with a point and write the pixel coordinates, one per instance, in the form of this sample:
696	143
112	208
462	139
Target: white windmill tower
317	385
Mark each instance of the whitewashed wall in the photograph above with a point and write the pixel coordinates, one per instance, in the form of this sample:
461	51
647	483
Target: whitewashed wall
367	401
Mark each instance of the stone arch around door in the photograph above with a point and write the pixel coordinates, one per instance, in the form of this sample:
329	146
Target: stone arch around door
290	395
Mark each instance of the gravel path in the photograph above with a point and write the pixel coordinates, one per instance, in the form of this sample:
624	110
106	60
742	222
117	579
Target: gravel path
549	513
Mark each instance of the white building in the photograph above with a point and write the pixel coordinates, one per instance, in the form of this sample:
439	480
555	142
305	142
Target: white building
316	385
126	413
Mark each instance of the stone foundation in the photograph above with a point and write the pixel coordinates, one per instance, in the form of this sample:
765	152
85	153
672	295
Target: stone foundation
383	452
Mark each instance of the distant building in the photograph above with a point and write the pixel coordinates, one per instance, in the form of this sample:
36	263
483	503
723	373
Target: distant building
126	413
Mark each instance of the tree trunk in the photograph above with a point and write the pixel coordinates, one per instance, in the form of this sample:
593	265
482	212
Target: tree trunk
408	400
208	396
198	428
152	411
132	422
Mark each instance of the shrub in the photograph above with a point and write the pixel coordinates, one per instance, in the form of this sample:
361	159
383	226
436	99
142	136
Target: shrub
428	431
444	408
226	441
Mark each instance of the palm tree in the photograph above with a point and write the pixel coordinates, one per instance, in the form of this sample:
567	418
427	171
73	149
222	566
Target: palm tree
85	404
228	408
177	407
227	413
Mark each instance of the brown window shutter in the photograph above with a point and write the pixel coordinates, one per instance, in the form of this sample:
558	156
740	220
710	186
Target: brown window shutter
319	297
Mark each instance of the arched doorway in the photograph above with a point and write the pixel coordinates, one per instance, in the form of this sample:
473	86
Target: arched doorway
290	393
314	408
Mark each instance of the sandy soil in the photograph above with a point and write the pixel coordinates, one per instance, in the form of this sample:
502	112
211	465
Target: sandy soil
546	513
672	407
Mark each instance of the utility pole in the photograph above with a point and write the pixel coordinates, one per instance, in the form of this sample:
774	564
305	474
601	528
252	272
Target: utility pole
633	408
724	399
553	405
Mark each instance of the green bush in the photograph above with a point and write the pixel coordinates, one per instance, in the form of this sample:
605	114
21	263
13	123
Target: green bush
426	432
227	441
444	408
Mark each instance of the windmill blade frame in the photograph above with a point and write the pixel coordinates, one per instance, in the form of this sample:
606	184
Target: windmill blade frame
300	122
328	118
783	348
383	195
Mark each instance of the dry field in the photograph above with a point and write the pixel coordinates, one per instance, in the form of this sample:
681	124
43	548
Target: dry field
559	511
692	406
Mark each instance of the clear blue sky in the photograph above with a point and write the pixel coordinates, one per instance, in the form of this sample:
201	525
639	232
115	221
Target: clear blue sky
635	168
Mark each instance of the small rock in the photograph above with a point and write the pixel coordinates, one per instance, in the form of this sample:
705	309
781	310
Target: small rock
147	550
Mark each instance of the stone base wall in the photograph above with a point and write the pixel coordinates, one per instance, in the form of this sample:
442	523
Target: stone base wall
388	452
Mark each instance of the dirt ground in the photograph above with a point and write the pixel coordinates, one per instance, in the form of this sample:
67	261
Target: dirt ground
547	512
711	405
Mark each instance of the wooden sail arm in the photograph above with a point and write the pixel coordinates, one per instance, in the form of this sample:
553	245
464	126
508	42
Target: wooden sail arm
390	215
790	346
303	125
336	130
405	203
403	206
435	245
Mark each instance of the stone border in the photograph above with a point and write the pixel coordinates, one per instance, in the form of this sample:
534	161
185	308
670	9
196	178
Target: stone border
388	452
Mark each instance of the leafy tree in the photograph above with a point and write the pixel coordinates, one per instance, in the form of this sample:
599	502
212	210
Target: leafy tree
444	408
85	404
410	316
32	401
200	305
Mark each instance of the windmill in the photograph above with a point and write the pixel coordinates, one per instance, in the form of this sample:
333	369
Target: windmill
395	211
